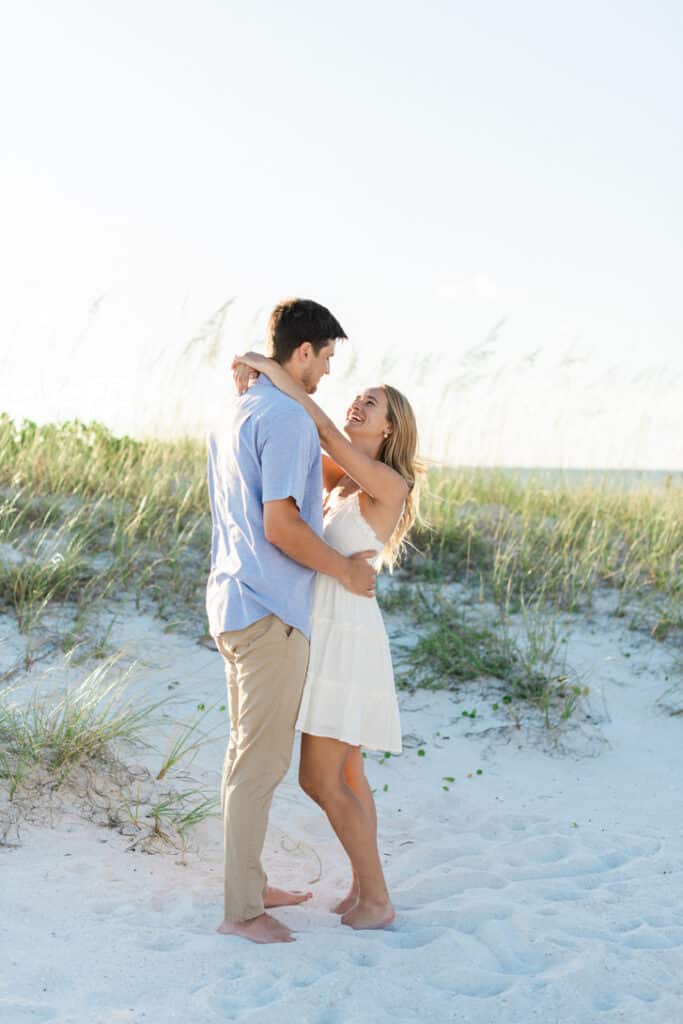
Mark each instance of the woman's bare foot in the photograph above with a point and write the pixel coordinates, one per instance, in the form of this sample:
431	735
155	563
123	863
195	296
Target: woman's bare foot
263	929
369	915
273	897
348	903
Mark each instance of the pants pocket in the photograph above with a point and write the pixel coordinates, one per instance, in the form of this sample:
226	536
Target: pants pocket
238	641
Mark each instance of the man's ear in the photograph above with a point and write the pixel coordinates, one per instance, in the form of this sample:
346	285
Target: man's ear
304	351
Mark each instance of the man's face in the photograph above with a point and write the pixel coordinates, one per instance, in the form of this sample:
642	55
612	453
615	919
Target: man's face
316	366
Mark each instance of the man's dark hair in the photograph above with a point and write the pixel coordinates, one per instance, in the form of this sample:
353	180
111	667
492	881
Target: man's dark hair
295	321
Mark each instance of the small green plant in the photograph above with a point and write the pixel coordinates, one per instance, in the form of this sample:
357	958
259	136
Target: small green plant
178	812
132	805
454	649
12	770
532	661
188	741
397	597
28	588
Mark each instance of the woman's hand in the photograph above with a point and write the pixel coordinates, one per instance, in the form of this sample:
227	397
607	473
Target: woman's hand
245	369
252	359
242	375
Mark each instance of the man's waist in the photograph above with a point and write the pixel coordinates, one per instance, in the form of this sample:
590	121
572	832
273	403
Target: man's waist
226	576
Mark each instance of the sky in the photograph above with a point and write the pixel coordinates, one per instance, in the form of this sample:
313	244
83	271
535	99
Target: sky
486	194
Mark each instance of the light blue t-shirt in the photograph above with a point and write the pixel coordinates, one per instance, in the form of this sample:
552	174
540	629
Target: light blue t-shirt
266	449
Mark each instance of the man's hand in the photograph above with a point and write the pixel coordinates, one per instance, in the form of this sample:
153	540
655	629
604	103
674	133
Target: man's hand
360	575
284	527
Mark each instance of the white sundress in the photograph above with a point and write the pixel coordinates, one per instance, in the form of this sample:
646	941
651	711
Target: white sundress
349	692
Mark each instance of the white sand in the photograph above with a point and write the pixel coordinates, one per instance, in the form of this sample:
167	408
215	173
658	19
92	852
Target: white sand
547	889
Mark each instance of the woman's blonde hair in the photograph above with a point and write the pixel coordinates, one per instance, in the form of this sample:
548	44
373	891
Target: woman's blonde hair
399	450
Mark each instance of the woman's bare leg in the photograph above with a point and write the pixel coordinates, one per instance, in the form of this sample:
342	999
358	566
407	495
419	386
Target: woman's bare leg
354	776
322	777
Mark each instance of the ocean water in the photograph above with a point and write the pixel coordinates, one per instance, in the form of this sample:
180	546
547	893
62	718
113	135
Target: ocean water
622	479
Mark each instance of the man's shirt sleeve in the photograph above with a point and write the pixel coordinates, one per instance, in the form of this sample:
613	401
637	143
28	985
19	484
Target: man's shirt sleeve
288	450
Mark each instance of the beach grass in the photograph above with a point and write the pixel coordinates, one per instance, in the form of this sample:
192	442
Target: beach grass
86	514
49	740
79	724
456	643
522	539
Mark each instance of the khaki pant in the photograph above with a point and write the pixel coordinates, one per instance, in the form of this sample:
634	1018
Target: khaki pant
265	668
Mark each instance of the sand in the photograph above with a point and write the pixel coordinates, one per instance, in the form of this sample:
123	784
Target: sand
548	887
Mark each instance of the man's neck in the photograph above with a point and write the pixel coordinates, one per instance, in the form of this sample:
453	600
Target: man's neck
287	367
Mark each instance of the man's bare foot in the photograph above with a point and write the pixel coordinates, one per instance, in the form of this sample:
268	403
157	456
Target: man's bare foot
273	897
348	903
263	928
369	915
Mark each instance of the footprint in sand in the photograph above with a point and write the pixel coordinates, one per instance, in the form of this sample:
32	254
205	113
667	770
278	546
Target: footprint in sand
366	959
548	849
314	970
166	943
518	953
665	918
410	938
331	1016
253	993
463	880
469	919
645	937
471	982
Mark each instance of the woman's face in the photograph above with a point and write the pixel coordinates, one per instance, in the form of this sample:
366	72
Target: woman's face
368	416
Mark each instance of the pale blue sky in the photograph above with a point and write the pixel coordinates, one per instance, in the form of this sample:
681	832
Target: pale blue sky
426	169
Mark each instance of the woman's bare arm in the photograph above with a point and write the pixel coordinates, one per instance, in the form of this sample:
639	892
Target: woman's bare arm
332	473
378	480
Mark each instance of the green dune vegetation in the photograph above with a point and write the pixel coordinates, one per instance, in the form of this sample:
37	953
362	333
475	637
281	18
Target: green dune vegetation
497	565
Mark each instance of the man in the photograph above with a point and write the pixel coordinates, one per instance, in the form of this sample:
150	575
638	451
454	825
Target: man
265	487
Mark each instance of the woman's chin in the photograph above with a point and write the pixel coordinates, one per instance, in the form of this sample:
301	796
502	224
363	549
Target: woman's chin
354	432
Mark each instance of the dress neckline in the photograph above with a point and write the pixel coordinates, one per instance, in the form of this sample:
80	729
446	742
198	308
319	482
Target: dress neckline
342	502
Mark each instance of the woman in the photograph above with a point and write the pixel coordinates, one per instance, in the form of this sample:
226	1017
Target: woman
370	484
